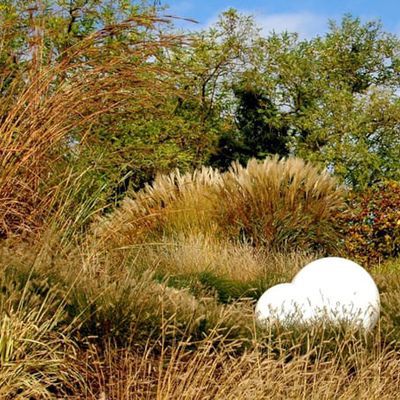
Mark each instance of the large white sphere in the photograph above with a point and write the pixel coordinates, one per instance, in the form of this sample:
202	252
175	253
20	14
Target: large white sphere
339	290
282	303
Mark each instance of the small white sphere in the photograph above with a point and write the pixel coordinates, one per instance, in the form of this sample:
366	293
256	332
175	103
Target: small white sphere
339	290
282	303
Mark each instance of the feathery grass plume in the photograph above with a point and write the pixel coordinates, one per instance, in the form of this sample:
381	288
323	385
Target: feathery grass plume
173	203
280	204
54	100
277	204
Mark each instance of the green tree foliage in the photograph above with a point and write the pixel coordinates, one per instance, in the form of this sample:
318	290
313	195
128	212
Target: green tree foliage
259	130
353	123
333	99
210	67
258	121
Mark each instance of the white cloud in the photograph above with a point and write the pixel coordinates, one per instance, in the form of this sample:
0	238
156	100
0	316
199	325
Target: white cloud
306	24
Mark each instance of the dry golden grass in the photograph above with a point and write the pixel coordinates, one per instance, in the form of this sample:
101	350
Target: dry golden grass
38	359
198	254
172	203
211	268
113	330
216	370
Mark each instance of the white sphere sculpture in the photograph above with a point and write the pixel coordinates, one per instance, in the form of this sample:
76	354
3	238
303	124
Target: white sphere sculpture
281	303
340	290
330	289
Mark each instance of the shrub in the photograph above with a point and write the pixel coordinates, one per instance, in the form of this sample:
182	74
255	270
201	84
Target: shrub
372	224
387	277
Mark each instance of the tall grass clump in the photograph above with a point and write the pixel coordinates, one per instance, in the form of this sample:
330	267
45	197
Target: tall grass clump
37	354
275	204
51	103
84	324
280	204
210	267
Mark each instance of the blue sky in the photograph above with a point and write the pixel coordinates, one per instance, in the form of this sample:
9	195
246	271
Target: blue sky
307	17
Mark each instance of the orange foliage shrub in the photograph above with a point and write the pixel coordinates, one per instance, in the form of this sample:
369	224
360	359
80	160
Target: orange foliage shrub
372	225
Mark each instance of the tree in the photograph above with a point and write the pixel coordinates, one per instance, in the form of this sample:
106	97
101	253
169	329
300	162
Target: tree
332	99
259	123
354	124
